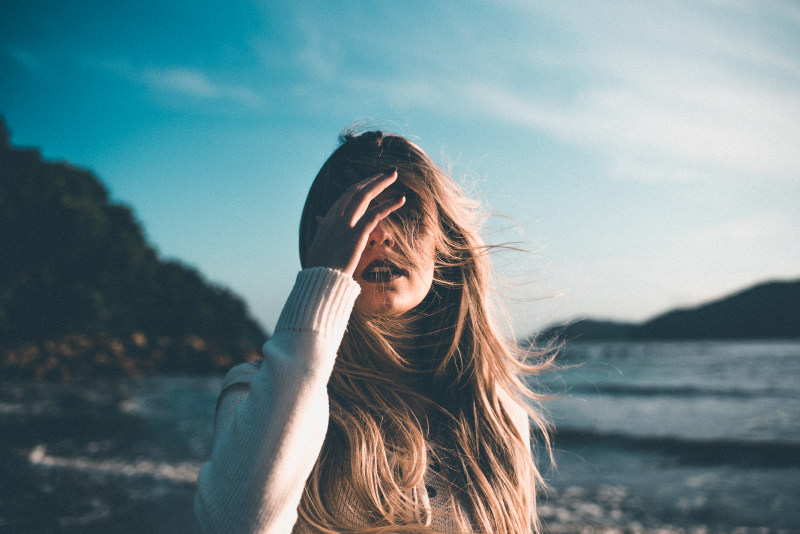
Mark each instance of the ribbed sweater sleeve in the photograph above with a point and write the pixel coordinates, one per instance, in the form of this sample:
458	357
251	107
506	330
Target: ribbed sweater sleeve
261	459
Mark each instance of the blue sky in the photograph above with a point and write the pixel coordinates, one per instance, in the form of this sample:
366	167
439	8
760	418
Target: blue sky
648	153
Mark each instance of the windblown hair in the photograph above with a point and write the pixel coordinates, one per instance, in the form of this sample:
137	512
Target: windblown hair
461	376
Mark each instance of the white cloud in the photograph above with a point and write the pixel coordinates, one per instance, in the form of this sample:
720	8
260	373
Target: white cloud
198	84
706	121
183	81
660	93
678	88
179	80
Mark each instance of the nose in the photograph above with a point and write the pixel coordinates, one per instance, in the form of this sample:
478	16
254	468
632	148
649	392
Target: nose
380	236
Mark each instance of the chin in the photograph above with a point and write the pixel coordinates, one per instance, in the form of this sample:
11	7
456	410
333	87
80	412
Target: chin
394	298
381	306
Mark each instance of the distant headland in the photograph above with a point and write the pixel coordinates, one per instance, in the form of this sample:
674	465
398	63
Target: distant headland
83	294
770	310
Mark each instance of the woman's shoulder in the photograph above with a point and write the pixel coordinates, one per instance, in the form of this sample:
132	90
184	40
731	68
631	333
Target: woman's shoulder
242	373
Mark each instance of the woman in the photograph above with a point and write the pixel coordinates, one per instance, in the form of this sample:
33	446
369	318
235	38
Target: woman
386	400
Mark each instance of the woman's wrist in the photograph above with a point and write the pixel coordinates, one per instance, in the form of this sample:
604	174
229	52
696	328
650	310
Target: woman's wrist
321	300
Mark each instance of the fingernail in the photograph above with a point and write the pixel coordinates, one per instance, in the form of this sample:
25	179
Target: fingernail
391	171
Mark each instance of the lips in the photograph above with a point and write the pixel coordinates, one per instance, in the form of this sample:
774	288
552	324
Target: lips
382	271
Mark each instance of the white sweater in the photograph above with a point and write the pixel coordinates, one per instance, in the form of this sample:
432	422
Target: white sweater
272	418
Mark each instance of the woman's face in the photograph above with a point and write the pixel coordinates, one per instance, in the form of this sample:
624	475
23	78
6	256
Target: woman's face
386	288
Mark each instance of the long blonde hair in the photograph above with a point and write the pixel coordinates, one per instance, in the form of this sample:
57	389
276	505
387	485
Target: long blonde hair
377	441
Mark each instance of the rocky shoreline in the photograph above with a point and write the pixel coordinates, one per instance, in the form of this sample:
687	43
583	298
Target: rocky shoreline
78	356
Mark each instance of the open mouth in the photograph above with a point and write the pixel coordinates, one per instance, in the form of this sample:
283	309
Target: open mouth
382	271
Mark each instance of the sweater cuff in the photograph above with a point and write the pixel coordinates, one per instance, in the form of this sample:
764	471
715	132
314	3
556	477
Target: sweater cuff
321	300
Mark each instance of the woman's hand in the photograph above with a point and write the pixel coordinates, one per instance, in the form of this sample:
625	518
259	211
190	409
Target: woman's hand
343	233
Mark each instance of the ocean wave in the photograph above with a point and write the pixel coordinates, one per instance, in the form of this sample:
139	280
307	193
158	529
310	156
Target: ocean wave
705	452
182	472
652	390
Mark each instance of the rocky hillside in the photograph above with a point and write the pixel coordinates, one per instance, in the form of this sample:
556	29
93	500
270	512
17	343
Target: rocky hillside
81	289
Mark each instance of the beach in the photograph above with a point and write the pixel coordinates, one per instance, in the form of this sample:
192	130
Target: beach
651	438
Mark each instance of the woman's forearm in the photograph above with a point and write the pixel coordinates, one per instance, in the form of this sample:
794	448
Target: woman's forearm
264	454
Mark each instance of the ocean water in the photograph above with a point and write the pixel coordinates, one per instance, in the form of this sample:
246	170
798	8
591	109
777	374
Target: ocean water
651	437
701	436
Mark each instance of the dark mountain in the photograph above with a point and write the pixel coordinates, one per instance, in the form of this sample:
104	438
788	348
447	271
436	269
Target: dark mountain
588	330
73	263
766	311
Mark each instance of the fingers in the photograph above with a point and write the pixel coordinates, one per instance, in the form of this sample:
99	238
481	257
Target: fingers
376	214
339	207
364	193
343	233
